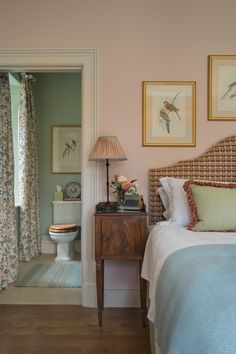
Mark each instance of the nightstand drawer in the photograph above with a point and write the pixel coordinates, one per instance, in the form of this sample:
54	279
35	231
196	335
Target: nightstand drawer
121	238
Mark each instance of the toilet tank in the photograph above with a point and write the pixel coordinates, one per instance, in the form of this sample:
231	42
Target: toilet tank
66	212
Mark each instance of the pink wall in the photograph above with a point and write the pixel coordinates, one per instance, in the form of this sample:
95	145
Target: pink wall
138	40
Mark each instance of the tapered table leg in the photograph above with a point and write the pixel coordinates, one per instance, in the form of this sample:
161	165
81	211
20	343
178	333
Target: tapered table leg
143	290
100	289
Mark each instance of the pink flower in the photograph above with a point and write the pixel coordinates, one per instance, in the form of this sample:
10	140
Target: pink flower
123	185
126	185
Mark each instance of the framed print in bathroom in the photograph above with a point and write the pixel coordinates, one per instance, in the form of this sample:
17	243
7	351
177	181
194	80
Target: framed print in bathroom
169	110
222	87
66	149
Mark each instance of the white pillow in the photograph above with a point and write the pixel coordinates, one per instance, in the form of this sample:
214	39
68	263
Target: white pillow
165	201
178	204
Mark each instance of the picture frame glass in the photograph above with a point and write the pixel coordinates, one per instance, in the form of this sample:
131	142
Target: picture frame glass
66	149
222	87
169	113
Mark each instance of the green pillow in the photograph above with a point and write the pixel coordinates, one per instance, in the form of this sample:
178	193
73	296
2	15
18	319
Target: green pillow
212	206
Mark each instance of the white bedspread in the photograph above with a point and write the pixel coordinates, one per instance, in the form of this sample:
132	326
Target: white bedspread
165	239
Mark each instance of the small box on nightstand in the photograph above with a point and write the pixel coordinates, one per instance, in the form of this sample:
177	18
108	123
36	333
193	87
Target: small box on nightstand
134	202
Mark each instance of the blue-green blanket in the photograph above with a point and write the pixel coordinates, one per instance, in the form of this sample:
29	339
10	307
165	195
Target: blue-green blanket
196	301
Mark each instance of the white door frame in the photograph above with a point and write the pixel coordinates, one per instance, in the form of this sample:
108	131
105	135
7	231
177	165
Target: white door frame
85	60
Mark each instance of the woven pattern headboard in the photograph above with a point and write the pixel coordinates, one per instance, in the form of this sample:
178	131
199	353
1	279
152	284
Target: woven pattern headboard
216	164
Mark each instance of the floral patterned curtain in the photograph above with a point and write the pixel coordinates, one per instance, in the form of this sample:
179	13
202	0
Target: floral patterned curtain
8	231
29	241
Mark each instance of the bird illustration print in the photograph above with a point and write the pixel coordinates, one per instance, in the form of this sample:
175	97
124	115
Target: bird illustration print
70	147
166	113
231	91
165	120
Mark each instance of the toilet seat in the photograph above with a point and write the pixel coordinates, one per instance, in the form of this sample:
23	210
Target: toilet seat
63	228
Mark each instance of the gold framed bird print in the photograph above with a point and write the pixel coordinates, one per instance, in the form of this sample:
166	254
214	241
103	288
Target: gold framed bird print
169	113
222	87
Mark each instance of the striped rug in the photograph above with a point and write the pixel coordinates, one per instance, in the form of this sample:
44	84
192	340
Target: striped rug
52	276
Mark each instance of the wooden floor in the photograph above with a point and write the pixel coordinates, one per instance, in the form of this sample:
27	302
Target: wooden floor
60	329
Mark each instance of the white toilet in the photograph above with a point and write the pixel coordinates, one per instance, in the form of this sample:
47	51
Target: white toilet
66	222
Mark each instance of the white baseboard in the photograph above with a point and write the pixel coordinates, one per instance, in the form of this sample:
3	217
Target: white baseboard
89	298
121	298
113	297
48	247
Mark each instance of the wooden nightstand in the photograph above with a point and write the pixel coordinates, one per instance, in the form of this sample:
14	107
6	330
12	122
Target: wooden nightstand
119	235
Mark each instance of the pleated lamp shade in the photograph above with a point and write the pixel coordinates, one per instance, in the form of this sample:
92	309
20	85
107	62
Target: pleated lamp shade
107	148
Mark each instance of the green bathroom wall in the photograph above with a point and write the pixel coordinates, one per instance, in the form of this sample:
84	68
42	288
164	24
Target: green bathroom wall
57	102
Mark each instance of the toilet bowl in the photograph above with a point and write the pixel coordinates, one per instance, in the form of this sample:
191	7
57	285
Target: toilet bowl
66	220
63	234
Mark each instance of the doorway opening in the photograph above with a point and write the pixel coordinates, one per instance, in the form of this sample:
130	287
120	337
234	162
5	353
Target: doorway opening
57	101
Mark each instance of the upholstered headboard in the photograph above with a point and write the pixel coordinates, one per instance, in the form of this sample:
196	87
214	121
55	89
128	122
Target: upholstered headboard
218	163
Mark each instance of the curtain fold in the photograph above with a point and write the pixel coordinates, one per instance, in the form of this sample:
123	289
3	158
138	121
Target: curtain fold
29	241
8	230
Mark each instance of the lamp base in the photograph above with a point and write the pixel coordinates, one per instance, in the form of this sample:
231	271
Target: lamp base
106	206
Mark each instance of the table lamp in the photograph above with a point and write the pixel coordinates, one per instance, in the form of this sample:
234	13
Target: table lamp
107	148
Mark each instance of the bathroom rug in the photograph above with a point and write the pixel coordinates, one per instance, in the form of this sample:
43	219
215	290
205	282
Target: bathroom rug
52	276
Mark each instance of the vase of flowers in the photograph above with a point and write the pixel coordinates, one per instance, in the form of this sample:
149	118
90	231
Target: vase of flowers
123	186
120	200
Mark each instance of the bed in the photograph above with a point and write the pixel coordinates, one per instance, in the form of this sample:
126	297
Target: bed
190	258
